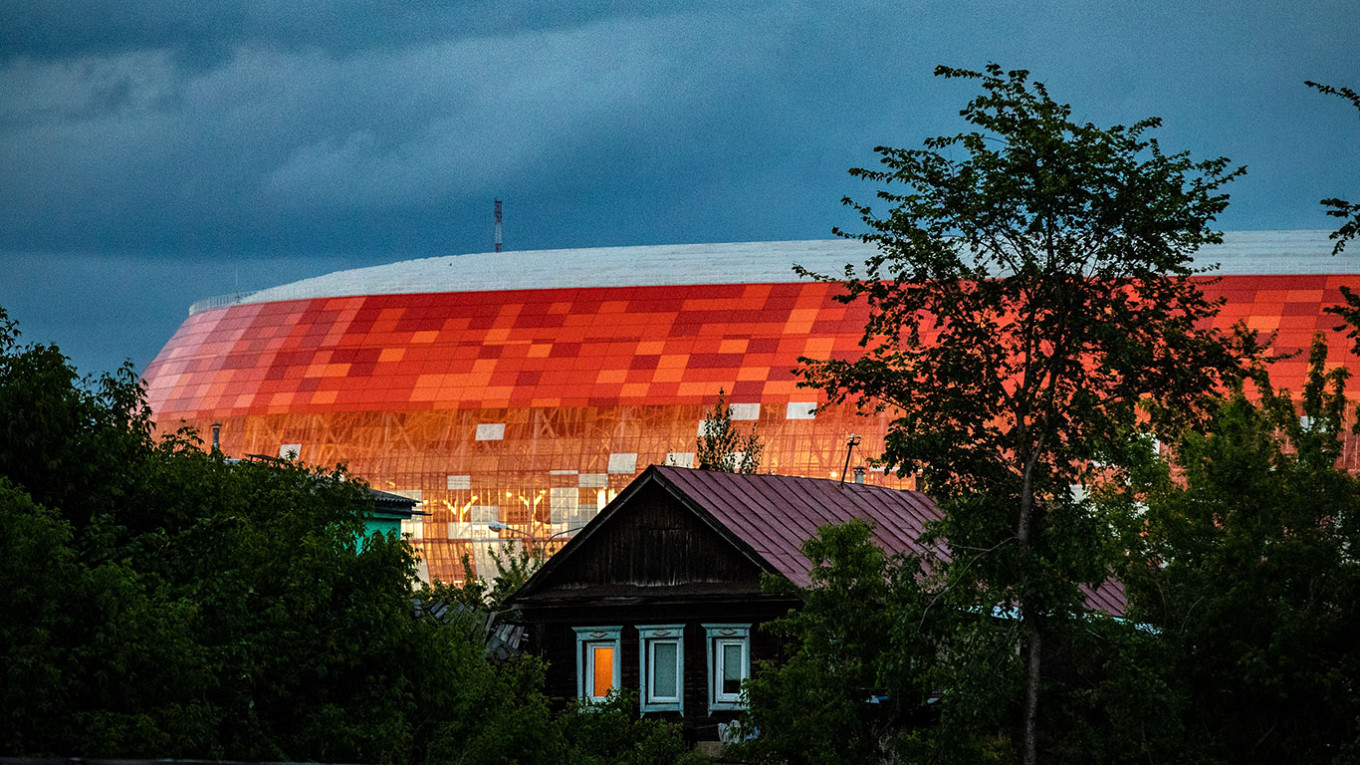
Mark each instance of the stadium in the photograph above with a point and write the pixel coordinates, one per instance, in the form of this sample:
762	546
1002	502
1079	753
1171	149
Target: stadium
525	389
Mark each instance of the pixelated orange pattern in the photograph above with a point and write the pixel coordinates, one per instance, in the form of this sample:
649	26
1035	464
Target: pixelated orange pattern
576	347
560	347
397	386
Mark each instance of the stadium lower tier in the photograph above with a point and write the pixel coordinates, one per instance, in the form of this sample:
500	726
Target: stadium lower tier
544	471
531	408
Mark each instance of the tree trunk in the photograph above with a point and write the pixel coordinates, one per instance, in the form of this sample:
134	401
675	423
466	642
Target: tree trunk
1031	724
1028	624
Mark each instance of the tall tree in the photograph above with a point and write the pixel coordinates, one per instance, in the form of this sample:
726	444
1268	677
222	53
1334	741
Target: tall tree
876	668
1032	288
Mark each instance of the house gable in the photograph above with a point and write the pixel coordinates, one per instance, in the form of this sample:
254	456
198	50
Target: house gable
652	543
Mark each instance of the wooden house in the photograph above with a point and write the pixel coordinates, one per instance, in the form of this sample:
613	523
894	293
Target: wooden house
661	593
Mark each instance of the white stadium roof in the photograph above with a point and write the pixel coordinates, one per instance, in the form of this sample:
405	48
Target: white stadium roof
1242	253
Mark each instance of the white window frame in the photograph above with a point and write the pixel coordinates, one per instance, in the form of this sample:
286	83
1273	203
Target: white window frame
587	640
717	637
649	637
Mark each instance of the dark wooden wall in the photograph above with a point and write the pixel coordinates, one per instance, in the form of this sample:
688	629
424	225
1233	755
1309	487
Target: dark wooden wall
654	541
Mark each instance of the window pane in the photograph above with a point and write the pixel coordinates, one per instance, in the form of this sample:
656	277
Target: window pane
603	679
664	681
731	669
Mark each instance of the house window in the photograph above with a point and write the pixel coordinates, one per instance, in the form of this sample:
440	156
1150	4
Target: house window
597	662
662	665
729	663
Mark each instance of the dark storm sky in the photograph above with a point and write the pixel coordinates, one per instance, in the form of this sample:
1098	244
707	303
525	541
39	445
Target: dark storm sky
154	153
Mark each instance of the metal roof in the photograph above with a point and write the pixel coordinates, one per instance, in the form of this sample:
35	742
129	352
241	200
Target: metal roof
770	516
388	499
1108	598
1242	252
774	514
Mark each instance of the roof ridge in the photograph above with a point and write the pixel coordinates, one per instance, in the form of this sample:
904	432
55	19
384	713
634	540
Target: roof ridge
1242	252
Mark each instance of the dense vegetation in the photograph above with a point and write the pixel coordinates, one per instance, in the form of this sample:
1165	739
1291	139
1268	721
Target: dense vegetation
1238	549
1033	326
157	600
160	601
1030	305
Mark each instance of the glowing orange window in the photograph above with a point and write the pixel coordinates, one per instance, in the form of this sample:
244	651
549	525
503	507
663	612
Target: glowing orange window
602	681
597	662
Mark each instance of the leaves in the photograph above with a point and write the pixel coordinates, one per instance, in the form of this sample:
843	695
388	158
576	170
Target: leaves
880	663
1348	212
1245	566
1031	305
159	601
1032	286
722	447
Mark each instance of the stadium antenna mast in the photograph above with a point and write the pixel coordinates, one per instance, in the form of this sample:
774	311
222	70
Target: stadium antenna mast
498	225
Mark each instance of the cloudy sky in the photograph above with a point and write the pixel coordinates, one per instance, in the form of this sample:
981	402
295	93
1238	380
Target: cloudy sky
154	152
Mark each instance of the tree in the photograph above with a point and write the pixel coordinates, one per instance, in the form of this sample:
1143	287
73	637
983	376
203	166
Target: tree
611	733
515	560
160	601
1246	566
860	666
1348	212
61	437
876	668
73	631
1031	292
722	447
810	706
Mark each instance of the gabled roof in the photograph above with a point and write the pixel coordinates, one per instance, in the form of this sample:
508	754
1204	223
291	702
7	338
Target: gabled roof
772	515
768	517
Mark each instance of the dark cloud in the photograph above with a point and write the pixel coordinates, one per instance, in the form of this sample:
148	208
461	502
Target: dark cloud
203	32
158	134
104	310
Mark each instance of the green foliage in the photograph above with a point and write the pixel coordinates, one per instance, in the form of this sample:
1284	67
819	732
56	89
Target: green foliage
515	562
610	733
1117	705
1238	647
1031	293
59	434
1245	562
811	707
945	677
158	601
880	665
1348	212
470	710
722	447
1032	285
73	631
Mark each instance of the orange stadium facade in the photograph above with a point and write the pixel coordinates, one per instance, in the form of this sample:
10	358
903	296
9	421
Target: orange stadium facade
527	388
